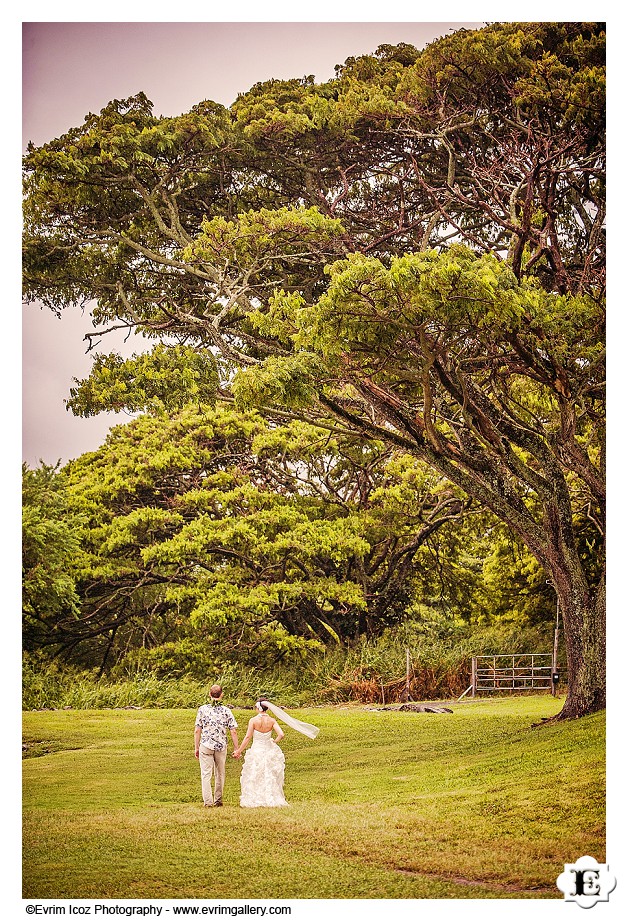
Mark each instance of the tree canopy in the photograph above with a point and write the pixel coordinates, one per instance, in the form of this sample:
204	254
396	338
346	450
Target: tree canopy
413	250
207	534
50	546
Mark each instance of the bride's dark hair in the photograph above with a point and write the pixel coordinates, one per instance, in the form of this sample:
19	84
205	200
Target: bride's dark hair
262	705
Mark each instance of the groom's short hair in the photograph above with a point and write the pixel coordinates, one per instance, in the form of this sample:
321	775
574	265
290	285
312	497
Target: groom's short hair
215	691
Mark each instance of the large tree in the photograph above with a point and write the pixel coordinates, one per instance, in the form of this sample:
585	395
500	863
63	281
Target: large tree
415	248
211	526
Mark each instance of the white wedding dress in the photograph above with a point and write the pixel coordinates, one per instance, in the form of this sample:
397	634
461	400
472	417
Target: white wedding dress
263	773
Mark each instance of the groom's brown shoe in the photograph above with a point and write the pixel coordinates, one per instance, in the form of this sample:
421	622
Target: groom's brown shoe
218	804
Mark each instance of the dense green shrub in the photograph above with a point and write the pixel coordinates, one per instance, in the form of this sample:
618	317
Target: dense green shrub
196	658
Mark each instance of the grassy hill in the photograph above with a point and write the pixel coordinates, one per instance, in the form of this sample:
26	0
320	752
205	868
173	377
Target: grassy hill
475	804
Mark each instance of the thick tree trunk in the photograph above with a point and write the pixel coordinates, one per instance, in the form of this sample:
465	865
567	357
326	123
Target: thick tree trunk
584	624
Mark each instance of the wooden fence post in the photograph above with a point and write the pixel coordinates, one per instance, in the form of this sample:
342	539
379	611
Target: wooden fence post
408	694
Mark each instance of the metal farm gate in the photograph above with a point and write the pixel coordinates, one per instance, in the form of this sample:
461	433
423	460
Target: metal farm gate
535	671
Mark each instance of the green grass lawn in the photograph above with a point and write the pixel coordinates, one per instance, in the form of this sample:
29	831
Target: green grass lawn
476	804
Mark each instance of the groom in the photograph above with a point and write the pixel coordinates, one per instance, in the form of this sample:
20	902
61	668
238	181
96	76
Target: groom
210	744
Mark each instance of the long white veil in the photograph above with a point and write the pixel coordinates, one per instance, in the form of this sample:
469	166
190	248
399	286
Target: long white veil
306	729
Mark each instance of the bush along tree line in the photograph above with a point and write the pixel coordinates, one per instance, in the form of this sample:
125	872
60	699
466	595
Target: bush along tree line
394	281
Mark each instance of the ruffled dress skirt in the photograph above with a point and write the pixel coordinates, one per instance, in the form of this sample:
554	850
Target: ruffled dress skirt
263	773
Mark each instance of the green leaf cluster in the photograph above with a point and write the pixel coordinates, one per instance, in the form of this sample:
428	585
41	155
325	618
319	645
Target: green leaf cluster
166	378
51	546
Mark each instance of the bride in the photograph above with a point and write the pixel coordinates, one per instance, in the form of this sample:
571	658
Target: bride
264	764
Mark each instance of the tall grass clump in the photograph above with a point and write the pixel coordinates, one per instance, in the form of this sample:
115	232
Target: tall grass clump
49	685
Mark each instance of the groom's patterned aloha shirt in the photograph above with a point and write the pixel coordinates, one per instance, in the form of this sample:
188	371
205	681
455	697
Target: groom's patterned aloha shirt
214	720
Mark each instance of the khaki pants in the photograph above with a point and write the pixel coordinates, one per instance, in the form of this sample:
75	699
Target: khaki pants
212	761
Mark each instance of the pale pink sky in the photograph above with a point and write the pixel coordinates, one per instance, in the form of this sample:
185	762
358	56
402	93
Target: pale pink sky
73	68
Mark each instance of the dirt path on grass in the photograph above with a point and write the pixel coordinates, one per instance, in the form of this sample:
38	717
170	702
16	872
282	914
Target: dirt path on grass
493	885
